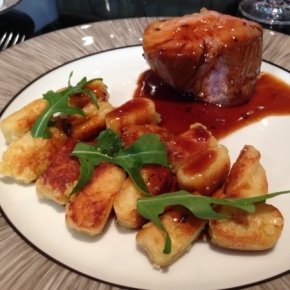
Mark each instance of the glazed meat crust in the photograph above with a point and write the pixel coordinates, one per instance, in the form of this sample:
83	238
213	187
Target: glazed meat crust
213	56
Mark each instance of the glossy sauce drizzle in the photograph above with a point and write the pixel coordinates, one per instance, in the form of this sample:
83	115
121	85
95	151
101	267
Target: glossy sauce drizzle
179	111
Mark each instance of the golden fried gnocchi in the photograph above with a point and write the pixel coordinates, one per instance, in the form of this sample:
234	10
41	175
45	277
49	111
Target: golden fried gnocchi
59	179
183	229
99	88
196	139
247	176
125	206
20	122
247	231
205	171
136	111
158	180
27	158
88	127
131	133
89	209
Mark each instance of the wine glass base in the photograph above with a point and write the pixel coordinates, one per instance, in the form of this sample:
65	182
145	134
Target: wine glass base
264	12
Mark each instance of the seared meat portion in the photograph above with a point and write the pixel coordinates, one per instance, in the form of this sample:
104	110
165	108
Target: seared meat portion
213	56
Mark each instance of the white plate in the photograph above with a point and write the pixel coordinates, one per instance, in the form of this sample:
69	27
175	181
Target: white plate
114	257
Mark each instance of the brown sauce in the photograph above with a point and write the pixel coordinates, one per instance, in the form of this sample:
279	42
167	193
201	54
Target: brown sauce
179	111
200	163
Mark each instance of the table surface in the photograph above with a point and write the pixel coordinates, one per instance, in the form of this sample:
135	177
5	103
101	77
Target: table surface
21	266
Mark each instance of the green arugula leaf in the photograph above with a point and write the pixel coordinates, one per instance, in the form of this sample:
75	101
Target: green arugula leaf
148	149
86	172
58	103
201	206
108	142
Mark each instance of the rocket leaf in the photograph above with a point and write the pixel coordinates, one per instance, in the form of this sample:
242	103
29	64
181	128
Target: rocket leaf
148	149
201	206
58	103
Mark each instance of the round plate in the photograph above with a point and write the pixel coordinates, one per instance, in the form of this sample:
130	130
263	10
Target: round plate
114	256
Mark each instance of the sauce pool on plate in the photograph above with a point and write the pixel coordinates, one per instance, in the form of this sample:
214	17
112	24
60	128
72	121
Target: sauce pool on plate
178	111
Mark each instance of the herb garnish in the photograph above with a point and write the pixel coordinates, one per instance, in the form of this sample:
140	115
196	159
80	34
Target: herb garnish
58	103
201	206
148	149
